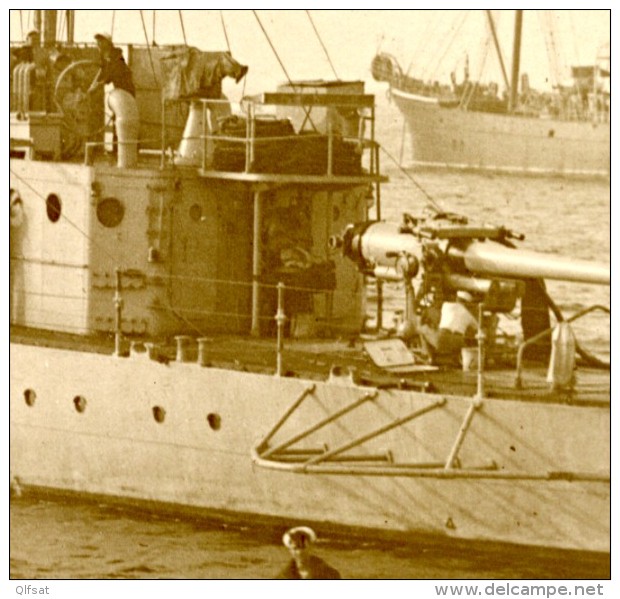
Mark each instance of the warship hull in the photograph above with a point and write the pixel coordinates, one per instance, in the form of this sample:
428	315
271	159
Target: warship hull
518	482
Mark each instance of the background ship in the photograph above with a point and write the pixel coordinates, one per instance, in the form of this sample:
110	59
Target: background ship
475	125
156	293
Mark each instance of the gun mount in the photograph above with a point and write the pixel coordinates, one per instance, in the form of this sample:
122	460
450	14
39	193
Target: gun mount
447	255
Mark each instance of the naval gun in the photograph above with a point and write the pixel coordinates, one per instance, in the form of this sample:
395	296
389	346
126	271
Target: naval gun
446	255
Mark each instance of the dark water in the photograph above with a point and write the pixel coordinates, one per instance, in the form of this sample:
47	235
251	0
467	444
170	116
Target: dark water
51	540
56	539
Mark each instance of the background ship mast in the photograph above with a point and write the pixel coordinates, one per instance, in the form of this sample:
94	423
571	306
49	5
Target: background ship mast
516	60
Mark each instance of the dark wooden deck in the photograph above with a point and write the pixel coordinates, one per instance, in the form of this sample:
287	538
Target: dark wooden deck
315	359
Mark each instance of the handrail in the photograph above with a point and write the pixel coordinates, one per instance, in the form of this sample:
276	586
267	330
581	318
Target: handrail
539	336
361	102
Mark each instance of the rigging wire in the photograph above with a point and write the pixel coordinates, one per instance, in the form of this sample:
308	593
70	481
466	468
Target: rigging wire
546	18
467	96
112	25
493	26
21	23
574	36
322	44
273	49
424	43
146	37
60	28
433	203
450	43
306	110
225	32
182	27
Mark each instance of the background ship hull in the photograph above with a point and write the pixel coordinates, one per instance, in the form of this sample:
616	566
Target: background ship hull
115	448
449	137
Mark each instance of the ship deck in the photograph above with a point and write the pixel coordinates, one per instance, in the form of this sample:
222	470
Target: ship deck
318	359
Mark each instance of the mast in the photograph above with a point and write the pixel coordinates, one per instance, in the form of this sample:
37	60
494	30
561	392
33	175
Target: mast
49	27
70	18
516	62
37	19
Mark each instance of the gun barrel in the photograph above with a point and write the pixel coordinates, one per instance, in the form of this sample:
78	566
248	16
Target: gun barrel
383	241
377	244
492	259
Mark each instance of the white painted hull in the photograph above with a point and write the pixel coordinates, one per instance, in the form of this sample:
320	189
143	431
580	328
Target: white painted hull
453	138
116	448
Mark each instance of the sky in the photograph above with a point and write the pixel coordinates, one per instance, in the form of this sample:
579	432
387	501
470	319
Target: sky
429	43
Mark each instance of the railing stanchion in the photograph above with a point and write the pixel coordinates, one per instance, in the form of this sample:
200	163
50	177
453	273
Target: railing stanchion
118	308
280	320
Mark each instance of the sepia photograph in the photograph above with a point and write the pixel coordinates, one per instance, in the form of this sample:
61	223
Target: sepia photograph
310	294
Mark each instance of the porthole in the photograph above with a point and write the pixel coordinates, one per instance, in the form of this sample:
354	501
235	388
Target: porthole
195	212
159	414
54	207
110	212
215	421
29	397
79	403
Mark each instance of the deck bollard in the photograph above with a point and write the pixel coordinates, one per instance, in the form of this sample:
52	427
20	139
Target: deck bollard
202	350
182	347
151	350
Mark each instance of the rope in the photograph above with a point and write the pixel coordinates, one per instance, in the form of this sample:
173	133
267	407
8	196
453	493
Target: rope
434	204
21	23
454	34
273	49
574	36
424	43
50	317
146	37
322	44
63	24
182	27
225	32
112	25
556	63
464	103
306	110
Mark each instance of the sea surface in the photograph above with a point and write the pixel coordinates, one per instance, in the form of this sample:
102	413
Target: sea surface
55	539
